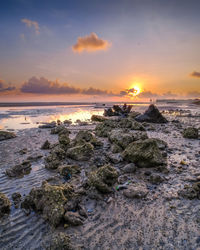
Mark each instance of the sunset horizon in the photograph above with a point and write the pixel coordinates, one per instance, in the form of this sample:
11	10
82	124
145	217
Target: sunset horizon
99	50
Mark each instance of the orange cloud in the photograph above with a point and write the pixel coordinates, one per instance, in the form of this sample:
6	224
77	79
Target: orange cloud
30	23
90	43
195	74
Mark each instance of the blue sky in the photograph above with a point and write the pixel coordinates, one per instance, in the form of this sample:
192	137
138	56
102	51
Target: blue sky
151	43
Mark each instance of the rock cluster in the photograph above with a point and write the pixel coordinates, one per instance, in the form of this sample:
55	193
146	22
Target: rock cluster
116	110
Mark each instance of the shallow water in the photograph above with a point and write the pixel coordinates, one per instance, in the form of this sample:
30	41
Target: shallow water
29	117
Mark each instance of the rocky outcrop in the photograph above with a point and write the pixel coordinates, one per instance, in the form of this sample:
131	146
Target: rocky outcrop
190	133
4	204
61	129
145	153
48	125
49	200
103	178
117	110
98	118
5	135
152	114
53	160
103	129
81	152
19	170
123	137
60	241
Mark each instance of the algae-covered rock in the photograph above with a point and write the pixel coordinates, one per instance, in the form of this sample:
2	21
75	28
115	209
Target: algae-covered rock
144	153
56	155
130	123
190	133
104	128
60	241
191	191
19	170
64	140
86	136
73	218
123	138
61	129
5	135
67	170
98	118
81	152
103	178
4	204
136	191
116	149
49	200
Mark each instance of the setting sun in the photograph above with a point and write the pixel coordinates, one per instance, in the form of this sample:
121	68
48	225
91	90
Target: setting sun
134	90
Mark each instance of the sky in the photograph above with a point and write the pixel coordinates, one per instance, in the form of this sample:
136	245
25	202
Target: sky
95	50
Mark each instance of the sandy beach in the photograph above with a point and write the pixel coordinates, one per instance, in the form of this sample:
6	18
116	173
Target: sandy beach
140	208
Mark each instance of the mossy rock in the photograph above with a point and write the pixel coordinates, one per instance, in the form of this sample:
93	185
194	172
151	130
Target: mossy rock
5	135
191	191
49	200
64	140
81	152
144	153
61	129
69	169
98	118
190	133
103	178
4	204
54	158
123	137
60	241
103	129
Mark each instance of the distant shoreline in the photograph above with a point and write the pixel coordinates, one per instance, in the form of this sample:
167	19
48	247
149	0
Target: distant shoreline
35	104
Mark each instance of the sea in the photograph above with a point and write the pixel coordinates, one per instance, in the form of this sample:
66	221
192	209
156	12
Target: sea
17	116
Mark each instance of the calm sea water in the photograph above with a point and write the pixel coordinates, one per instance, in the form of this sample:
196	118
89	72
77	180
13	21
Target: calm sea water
29	117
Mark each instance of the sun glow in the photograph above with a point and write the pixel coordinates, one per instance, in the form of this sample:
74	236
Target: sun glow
134	90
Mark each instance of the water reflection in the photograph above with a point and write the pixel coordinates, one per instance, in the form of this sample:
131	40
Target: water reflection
29	118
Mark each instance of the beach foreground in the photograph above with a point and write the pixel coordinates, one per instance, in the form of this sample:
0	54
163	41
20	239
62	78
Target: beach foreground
105	184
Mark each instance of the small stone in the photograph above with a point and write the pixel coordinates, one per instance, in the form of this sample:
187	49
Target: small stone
129	168
136	191
46	145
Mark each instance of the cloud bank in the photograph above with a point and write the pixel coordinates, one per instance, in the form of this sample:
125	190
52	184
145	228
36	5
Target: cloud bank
29	23
44	86
5	88
195	74
90	43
